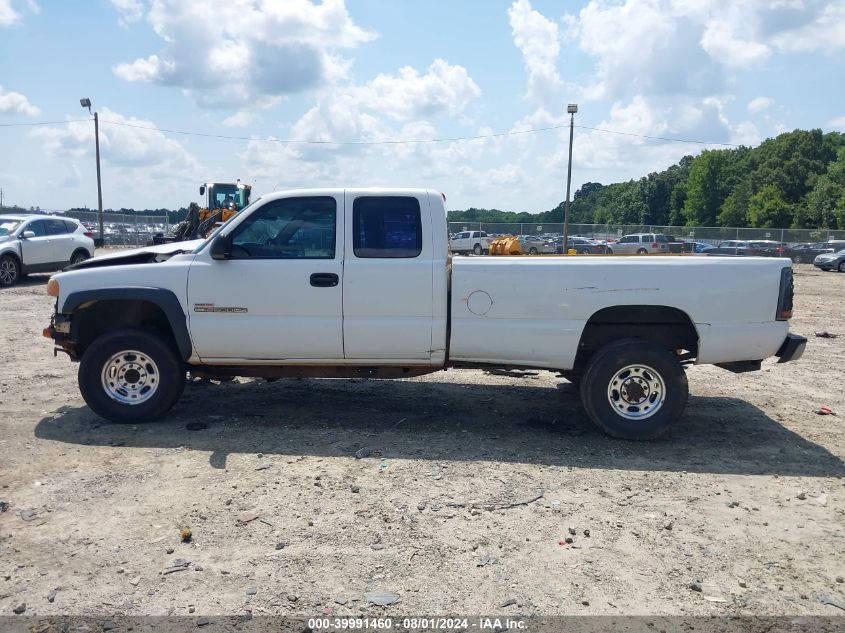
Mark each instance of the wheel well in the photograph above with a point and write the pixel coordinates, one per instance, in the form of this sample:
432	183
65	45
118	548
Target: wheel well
13	255
99	317
668	327
81	249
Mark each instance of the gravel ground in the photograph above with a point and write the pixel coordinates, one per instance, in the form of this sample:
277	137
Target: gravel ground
464	490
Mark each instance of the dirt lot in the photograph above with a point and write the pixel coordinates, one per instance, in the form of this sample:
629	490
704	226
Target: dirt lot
461	503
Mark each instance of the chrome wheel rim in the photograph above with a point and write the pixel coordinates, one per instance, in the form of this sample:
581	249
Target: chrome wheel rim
636	392
130	377
8	271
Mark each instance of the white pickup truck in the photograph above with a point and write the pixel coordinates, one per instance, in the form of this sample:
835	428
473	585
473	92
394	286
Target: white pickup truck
339	283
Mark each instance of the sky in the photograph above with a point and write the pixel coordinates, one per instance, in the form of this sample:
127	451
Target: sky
353	82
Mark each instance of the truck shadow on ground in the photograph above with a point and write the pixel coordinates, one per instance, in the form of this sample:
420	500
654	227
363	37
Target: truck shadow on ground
449	421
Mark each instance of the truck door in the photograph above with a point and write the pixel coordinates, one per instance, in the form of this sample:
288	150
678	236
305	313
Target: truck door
279	296
387	285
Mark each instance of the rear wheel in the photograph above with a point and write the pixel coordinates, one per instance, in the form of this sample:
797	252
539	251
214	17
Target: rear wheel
10	270
533	251
642	251
634	390
842	267
477	249
130	376
797	259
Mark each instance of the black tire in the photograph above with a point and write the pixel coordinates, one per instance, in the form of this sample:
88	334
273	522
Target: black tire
642	251
532	251
797	259
79	256
10	271
842	267
603	367
169	376
477	249
609	251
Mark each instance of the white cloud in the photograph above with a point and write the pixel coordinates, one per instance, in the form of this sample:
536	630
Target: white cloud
16	103
400	105
758	104
122	147
538	38
8	15
687	119
147	70
241	118
225	53
824	30
838	123
686	47
129	10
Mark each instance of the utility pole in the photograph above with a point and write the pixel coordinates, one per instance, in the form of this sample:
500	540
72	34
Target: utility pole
572	108
86	103
100	186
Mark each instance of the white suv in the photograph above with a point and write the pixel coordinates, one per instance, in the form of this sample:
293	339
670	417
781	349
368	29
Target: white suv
642	243
40	244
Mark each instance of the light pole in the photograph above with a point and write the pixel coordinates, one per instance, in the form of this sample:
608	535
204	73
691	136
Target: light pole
572	108
86	103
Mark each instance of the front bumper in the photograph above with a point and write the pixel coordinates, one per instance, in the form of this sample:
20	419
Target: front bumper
792	348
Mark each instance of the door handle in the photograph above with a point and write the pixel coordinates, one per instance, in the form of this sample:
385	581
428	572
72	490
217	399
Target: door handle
324	280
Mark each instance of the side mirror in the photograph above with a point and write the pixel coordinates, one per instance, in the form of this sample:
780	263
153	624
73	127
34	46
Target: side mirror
221	247
202	190
27	234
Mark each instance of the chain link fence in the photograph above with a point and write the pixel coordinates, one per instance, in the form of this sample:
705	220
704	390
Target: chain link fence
712	235
123	230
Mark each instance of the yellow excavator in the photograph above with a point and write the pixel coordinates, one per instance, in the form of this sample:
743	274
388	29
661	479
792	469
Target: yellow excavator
221	200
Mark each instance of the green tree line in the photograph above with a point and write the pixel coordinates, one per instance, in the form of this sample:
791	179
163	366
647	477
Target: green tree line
795	180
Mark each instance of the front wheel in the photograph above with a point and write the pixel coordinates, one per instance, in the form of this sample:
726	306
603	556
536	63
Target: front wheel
533	251
634	390
10	271
642	251
130	376
797	259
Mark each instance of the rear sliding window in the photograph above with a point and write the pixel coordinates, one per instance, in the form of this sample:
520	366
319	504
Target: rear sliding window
386	226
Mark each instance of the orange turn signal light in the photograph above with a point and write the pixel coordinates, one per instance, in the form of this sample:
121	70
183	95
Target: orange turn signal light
53	287
46	333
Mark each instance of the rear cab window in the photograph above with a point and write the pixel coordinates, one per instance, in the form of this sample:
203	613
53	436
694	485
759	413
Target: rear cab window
56	227
386	227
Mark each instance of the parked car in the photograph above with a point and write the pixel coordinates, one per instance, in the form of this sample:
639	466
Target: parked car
806	253
642	243
625	330
696	247
40	244
581	245
768	248
534	245
744	248
831	261
477	242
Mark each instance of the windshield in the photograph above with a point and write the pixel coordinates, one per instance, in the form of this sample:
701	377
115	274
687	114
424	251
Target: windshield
7	225
223	196
214	233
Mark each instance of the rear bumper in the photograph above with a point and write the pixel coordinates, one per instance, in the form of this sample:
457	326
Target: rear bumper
792	348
